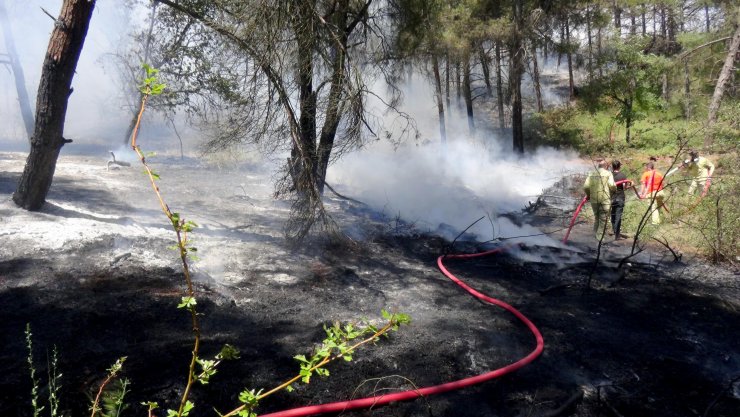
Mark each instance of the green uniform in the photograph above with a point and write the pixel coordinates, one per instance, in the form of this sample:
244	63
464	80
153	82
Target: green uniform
599	187
699	170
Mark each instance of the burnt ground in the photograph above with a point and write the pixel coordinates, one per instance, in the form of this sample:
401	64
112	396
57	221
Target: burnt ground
92	276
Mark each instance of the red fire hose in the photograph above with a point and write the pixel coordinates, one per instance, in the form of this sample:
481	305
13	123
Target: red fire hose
379	400
583	201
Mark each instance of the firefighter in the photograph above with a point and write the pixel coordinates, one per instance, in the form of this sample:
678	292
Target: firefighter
700	169
652	188
599	187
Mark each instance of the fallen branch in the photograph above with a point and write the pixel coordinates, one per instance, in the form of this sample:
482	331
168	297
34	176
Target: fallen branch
566	406
676	255
343	196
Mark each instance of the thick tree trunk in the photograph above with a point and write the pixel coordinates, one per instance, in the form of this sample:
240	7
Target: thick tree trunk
633	24
440	99
333	108
62	54
499	88
304	153
515	78
20	81
536	80
644	21
724	76
484	63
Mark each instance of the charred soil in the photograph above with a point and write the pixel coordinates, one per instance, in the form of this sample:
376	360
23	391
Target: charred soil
654	339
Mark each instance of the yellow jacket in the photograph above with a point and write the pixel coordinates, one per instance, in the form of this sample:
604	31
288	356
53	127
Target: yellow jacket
599	186
700	166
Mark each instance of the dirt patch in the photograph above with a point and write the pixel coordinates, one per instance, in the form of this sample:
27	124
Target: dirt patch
92	275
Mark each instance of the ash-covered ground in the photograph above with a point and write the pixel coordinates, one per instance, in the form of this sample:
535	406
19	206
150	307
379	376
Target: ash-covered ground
93	275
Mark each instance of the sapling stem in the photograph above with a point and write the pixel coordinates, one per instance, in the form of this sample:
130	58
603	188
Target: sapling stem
178	225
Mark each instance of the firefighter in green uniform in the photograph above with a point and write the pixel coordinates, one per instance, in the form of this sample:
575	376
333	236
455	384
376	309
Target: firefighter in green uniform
599	187
700	169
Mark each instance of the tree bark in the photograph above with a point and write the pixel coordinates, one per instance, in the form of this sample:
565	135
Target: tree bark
499	88
687	89
536	80
440	99
468	93
617	17
62	54
590	45
706	17
333	110
724	76
20	81
486	69
515	78
447	79
571	83
458	86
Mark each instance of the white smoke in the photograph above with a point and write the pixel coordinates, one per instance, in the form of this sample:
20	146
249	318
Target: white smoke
444	188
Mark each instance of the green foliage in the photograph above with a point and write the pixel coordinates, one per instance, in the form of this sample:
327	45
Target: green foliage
555	128
35	406
150	85
113	403
188	303
632	85
54	378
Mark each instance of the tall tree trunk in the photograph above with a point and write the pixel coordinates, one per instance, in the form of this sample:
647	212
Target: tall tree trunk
515	78
484	63
665	90
724	76
663	25
598	50
468	92
536	80
633	23
440	99
617	16
628	121
447	79
644	21
499	87
706	17
333	113
571	84
62	54
655	20
458	86
305	153
687	89
20	81
590	46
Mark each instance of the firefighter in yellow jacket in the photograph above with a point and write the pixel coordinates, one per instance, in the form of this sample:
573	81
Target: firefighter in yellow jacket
599	187
700	169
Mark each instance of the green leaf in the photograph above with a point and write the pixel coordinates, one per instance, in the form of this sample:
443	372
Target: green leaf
187	302
228	353
188	407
